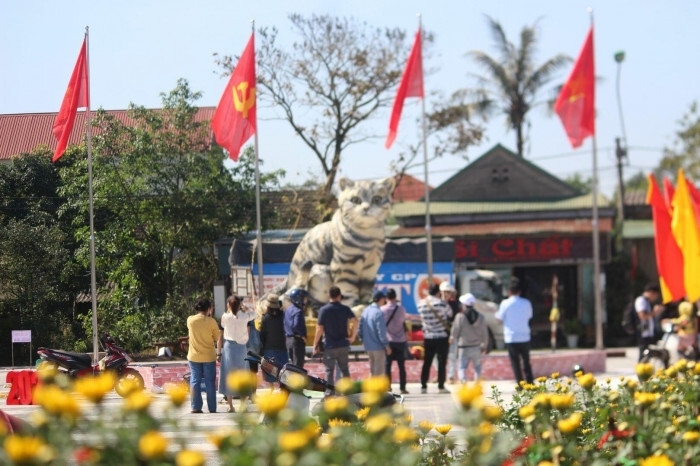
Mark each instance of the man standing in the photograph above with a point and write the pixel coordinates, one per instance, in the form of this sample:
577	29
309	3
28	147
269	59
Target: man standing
449	295
435	315
515	313
471	336
333	321
647	311
295	327
373	334
395	316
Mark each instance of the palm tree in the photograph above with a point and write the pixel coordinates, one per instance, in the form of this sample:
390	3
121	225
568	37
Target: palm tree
510	83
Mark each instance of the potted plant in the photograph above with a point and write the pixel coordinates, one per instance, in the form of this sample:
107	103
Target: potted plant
572	329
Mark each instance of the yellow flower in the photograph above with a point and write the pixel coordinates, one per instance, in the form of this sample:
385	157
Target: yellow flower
56	401
562	401
137	401
631	385
242	382
492	413
271	403
128	386
370	398
335	422
586	381
443	429
404	434
656	460
526	411
23	450
335	405
346	386
469	396
691	436
178	394
555	375
645	398
294	440
541	399
236	437
376	384
296	382
152	445
541	379
324	442
189	458
671	372
545	463
425	426
570	424
361	414
378	423
95	388
486	428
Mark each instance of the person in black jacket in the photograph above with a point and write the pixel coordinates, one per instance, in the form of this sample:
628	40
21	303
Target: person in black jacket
274	342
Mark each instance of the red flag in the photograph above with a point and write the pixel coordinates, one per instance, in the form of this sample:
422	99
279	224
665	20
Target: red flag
411	86
76	96
234	120
669	258
669	190
576	102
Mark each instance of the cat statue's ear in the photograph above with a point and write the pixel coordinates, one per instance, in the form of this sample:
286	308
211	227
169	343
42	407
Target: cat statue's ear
345	183
389	183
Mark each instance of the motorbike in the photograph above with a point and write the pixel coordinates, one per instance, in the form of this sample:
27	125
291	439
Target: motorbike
281	374
76	365
667	352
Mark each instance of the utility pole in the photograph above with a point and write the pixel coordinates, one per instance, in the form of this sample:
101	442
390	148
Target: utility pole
620	152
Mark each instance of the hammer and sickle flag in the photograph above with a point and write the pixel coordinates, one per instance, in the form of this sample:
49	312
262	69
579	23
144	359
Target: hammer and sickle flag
234	120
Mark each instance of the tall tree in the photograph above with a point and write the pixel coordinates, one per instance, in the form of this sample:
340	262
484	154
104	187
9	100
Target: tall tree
330	81
511	82
686	151
162	197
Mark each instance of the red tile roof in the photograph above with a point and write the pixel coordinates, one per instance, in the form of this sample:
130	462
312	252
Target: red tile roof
23	132
409	189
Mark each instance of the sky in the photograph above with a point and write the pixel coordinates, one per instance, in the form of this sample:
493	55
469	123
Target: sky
140	48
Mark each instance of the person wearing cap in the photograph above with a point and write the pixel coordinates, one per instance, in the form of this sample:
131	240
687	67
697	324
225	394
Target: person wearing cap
471	336
515	313
435	314
373	334
334	319
395	317
449	295
274	342
231	347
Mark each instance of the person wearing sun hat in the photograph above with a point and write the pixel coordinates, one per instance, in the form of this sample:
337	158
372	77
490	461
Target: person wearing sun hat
274	342
471	336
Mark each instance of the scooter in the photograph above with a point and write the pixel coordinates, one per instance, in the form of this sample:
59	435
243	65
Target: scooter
666	351
281	374
76	365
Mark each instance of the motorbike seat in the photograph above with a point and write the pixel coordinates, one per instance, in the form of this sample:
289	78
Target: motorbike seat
82	358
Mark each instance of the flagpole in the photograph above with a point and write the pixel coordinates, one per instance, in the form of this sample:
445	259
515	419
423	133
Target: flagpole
428	227
93	280
596	239
258	225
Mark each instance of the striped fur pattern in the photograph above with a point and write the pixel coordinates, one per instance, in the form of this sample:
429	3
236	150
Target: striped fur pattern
347	250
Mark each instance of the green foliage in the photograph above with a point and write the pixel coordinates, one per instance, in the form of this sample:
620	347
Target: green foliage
686	153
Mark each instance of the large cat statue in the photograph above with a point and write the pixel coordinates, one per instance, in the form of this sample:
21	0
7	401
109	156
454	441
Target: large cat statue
347	250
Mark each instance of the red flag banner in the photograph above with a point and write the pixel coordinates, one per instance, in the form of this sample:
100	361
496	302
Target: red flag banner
234	120
669	259
411	86
684	225
76	96
575	104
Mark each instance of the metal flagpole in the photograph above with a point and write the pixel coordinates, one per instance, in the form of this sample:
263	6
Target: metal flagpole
596	240
93	280
257	198
428	228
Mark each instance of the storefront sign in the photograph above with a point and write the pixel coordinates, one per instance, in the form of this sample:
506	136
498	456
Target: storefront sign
548	249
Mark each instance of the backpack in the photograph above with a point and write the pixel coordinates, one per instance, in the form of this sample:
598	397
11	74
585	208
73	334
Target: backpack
630	320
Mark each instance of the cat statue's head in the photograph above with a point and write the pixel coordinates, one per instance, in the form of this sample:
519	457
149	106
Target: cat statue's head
365	204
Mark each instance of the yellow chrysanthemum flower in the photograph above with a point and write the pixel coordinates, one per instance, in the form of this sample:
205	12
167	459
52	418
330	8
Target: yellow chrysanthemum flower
189	458
178	394
561	400
443	429
137	401
378	423
656	460
294	440
526	411
492	413
335	405
645	398
271	403
370	398
486	428
346	386
691	436
377	384
324	442
243	382
541	400
95	388
470	396
362	413
296	382
570	424
152	445
404	434
425	426
56	401
128	385
335	422
541	379
555	375
27	450
587	381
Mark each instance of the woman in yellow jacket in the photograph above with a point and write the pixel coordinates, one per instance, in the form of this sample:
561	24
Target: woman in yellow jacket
204	334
